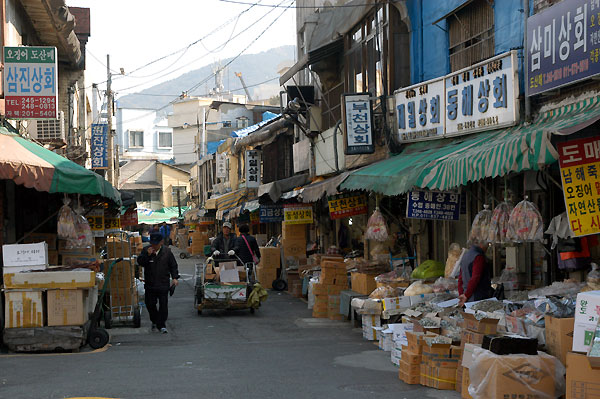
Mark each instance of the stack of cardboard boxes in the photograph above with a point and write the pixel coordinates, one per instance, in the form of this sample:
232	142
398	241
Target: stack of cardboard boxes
136	244
75	256
410	361
371	327
51	240
198	239
121	285
294	241
332	281
363	283
267	269
439	363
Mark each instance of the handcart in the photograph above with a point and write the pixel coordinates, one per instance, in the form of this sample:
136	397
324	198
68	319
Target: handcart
212	294
122	302
98	337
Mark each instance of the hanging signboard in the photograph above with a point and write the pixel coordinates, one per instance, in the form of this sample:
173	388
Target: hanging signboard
271	213
254	218
253	168
297	214
419	111
579	167
100	146
221	165
95	218
433	205
483	97
30	82
345	205
563	45
359	123
112	223
129	218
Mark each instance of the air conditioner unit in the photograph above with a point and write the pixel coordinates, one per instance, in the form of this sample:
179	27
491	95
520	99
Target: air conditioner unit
48	129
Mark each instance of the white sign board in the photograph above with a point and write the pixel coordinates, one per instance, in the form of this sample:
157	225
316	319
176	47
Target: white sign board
359	126
419	111
253	168
221	165
25	254
483	97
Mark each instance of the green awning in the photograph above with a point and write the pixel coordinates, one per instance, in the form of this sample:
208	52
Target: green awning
449	163
167	214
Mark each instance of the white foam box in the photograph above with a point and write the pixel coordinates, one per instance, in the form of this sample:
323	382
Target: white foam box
51	279
23	257
24	309
587	309
416	299
371	320
397	303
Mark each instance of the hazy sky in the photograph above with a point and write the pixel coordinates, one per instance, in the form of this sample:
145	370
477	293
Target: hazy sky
136	32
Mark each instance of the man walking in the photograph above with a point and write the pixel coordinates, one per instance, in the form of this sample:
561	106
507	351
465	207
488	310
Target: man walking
159	266
224	242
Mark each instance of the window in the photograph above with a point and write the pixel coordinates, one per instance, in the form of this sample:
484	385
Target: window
471	34
165	139
147	195
242	122
136	138
226	123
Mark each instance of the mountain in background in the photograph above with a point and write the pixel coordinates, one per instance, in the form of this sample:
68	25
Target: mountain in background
255	69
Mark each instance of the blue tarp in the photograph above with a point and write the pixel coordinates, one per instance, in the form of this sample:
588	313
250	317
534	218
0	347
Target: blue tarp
212	146
267	116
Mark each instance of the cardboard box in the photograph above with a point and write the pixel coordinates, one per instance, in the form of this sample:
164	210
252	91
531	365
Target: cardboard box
470	337
484	326
49	238
559	336
293	232
416	299
582	380
270	257
411	357
397	303
23	309
587	309
363	283
583	334
439	378
410	368
51	279
21	257
459	374
85	251
294	248
466	381
122	274
73	260
53	257
118	249
66	308
409	379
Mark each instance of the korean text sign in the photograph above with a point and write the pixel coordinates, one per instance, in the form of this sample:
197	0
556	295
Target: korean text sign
253	168
359	125
297	214
419	111
341	206
221	165
563	45
31	82
579	168
271	213
96	220
433	205
100	146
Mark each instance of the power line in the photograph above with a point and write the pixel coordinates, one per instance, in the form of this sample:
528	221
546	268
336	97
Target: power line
310	7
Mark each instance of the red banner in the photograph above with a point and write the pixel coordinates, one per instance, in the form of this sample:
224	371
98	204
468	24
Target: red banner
129	218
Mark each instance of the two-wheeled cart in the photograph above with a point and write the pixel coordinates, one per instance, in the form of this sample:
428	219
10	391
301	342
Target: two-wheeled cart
210	293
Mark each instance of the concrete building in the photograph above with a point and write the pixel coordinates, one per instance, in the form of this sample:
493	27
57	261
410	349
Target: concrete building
143	135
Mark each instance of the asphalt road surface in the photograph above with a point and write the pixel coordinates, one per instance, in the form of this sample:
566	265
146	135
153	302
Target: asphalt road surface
279	352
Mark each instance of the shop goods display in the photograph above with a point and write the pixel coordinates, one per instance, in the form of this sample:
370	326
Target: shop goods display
525	223
445	285
376	227
454	252
592	280
66	228
499	224
480	229
429	269
418	288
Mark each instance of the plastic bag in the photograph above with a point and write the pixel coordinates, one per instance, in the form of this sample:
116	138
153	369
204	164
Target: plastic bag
480	229
525	223
418	288
429	269
311	295
376	227
593	279
509	279
496	376
85	238
384	292
499	224
66	229
445	285
394	277
453	254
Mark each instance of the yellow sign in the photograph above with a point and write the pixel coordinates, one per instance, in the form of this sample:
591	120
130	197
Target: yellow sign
112	224
297	214
96	220
579	169
341	206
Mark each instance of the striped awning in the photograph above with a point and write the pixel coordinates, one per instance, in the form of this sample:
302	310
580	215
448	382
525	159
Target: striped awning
449	163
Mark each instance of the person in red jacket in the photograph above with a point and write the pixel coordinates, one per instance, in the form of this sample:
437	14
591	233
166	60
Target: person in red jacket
474	282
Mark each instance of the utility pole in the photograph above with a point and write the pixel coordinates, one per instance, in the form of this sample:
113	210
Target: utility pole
111	160
198	149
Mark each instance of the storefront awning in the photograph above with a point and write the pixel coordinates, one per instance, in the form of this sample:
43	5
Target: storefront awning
445	164
276	188
33	166
314	192
167	214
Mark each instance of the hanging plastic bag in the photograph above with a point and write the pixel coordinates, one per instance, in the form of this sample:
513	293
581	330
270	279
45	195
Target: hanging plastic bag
66	229
499	224
525	223
480	229
376	227
85	237
593	279
453	254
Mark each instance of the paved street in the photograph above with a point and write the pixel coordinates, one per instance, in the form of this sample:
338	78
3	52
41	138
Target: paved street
279	352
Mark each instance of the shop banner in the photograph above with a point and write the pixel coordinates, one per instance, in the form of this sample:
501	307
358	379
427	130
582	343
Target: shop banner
271	214
579	167
96	220
112	223
205	221
345	205
129	218
254	218
358	122
30	82
434	205
297	214
221	165
253	168
419	111
100	146
563	45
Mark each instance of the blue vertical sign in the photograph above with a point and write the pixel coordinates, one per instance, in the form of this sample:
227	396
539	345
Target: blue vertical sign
100	146
434	205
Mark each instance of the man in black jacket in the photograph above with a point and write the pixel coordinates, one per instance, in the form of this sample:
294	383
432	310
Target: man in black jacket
159	267
224	242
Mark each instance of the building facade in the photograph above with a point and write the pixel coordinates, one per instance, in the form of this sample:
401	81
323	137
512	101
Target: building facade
143	134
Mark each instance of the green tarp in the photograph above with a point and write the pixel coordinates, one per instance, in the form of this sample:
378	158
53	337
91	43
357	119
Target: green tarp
167	214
